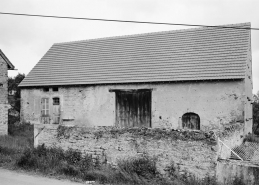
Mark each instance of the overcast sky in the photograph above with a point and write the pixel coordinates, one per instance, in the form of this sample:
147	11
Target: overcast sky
24	40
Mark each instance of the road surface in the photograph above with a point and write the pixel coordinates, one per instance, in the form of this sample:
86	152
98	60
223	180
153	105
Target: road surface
8	177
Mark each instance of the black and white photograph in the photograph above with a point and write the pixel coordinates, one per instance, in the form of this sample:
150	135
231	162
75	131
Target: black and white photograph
129	92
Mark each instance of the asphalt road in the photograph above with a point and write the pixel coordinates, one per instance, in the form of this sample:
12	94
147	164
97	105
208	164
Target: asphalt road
8	177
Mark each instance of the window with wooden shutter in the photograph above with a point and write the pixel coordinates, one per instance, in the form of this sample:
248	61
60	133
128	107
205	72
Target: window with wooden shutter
45	107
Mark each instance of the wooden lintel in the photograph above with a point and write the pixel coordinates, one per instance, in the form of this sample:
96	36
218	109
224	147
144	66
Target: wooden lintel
129	90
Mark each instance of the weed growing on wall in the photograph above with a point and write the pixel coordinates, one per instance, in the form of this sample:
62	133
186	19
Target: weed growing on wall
146	133
64	131
98	134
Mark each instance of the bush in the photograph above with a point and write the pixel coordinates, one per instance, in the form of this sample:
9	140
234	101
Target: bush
6	150
143	167
21	129
69	162
251	138
139	170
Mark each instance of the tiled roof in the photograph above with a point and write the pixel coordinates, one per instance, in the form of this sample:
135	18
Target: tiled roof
179	55
10	65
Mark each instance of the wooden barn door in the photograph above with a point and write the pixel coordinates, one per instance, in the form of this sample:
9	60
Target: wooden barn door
133	108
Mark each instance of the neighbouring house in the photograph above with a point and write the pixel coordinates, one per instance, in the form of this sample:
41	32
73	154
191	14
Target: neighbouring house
197	78
5	65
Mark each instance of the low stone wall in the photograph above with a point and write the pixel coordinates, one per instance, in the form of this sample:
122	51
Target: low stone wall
4	119
228	170
194	152
232	135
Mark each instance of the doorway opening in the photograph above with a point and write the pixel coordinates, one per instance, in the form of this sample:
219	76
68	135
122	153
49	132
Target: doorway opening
191	120
133	108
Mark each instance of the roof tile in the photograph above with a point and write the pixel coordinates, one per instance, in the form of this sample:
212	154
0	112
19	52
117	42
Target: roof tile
190	54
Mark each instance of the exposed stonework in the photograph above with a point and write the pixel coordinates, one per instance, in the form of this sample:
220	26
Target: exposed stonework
248	91
3	81
4	106
216	102
4	119
193	151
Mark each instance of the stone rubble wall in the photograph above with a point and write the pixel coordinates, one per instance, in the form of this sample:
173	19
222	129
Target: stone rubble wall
3	97
3	81
4	119
194	152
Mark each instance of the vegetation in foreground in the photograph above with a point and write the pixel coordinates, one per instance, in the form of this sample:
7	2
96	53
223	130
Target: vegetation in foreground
17	151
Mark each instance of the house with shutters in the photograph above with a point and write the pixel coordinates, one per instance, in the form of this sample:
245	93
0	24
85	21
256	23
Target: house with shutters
197	78
5	65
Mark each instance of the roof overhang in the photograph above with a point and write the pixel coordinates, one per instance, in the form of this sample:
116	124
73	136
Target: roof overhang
9	64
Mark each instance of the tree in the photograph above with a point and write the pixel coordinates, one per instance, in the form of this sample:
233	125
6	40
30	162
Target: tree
15	97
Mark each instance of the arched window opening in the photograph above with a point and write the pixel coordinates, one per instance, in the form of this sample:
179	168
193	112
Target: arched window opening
191	120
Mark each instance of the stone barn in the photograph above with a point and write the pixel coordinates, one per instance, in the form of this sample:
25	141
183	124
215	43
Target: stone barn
197	78
5	65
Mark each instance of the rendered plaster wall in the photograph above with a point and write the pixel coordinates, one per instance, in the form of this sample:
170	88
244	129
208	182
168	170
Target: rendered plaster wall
196	155
248	91
228	170
232	136
216	102
3	97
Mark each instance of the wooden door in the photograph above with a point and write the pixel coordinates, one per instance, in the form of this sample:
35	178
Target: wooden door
191	121
133	108
56	111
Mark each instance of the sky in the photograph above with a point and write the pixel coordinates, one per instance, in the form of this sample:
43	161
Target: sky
25	40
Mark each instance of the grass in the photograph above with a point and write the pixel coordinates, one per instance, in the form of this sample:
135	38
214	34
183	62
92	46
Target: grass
17	151
72	164
252	138
13	145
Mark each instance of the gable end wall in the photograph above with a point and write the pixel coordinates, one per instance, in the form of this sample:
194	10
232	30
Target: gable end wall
3	97
249	90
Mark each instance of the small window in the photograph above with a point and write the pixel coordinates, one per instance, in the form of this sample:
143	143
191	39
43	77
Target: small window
191	121
1	85
55	101
45	107
55	89
46	89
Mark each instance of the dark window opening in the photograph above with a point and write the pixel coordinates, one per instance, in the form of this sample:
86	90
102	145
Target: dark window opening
46	89
191	121
1	85
55	101
55	88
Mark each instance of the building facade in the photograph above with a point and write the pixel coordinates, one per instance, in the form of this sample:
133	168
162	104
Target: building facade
5	65
195	78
